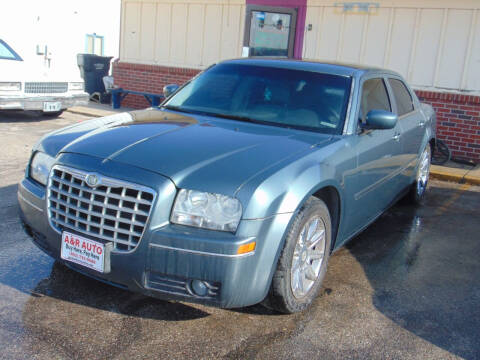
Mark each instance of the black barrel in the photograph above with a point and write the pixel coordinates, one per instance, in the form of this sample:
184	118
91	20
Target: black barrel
92	69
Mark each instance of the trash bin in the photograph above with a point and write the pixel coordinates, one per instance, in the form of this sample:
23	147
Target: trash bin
92	69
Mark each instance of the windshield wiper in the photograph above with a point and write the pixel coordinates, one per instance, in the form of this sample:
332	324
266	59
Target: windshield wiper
207	113
178	108
234	117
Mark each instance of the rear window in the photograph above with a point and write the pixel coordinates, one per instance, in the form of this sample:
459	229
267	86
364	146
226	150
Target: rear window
7	53
402	97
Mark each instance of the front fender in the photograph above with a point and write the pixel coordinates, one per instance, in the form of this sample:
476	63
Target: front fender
289	189
285	188
283	194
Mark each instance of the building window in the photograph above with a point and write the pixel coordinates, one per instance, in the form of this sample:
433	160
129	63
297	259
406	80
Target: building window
94	44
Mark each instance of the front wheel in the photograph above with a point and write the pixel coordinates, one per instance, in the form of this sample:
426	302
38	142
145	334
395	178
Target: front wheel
303	262
419	187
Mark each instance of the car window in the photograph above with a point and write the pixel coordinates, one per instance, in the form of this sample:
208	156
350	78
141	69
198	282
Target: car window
269	95
7	53
402	97
374	97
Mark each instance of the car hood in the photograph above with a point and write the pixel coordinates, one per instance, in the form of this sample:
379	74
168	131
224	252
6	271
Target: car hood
196	152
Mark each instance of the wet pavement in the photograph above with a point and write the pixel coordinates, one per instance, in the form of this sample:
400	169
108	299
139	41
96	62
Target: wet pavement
408	287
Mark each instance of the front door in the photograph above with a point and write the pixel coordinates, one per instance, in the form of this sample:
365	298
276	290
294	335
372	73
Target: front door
270	31
374	183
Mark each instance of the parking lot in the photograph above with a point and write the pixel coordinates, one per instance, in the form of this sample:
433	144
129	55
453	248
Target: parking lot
408	287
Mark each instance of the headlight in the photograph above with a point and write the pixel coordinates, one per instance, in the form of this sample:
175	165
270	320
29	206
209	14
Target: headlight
10	86
40	167
75	86
206	210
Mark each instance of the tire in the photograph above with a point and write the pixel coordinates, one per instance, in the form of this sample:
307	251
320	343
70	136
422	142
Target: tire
419	187
287	293
52	114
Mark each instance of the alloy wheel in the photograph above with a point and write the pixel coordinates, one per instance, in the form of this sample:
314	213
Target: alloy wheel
423	171
308	256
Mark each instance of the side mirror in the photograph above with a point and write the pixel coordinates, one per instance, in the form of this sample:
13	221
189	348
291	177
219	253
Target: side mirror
169	89
380	119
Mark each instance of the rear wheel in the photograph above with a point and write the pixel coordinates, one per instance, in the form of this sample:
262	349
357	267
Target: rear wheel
303	262
419	187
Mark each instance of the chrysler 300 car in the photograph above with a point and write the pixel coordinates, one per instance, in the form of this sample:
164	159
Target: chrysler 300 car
235	190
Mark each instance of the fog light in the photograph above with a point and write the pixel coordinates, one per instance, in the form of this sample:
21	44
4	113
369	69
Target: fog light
199	287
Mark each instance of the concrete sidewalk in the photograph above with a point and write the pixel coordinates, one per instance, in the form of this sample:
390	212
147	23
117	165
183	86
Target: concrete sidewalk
96	110
445	173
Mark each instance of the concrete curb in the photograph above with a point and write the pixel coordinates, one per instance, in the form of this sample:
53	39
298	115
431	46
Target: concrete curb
83	110
462	176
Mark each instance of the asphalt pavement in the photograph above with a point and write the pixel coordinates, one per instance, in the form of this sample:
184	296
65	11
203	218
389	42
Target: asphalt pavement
408	287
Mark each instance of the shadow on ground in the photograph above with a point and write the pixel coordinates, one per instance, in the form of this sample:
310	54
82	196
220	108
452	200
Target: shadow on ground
25	116
423	266
68	285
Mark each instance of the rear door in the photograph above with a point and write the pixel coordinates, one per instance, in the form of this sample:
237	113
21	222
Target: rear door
412	124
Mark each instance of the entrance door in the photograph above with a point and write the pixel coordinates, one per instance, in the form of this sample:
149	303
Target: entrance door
270	31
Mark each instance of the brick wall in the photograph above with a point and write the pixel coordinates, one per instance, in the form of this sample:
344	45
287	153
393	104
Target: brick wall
458	116
458	122
148	78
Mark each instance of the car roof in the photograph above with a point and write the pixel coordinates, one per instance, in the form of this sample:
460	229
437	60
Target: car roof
342	69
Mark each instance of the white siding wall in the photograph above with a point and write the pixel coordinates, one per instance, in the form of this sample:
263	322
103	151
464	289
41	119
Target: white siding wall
192	34
435	44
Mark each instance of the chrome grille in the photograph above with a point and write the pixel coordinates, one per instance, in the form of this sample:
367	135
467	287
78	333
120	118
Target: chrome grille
112	211
46	87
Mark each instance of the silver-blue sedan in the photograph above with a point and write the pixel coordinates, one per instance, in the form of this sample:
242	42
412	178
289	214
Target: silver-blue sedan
238	188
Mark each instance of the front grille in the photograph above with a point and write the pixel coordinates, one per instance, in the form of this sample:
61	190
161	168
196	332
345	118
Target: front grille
46	87
113	210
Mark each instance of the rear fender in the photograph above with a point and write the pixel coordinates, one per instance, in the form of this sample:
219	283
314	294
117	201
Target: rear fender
430	124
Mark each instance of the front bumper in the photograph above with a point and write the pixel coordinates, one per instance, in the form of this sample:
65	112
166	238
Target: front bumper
169	257
23	102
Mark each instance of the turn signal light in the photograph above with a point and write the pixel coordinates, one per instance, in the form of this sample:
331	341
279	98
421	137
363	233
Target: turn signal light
246	248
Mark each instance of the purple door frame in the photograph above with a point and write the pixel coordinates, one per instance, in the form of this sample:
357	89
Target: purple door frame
301	5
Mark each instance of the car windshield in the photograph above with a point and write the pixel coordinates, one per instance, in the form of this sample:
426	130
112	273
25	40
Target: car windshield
6	52
273	96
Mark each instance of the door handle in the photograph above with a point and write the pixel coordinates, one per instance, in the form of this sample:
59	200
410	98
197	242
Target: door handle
396	137
421	123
